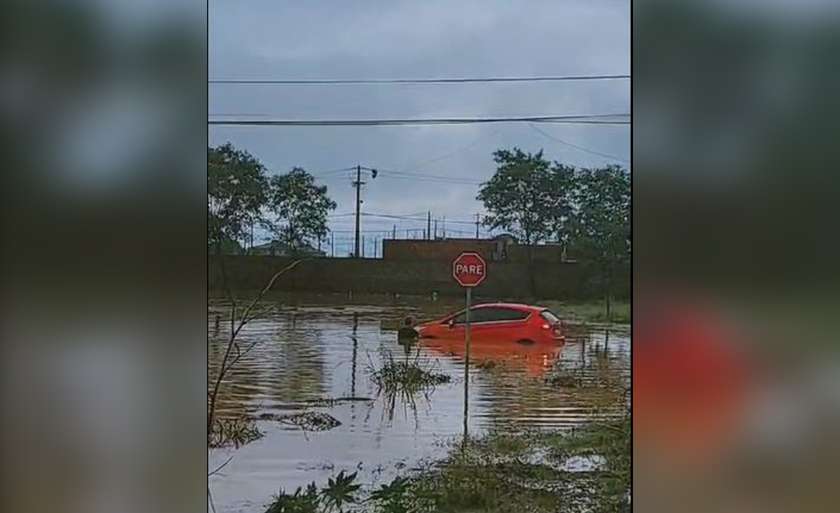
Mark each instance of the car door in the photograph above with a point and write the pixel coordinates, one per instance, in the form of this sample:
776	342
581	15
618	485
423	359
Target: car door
454	327
457	323
480	327
505	324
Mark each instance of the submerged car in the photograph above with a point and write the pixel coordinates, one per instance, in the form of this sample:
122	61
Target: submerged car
498	322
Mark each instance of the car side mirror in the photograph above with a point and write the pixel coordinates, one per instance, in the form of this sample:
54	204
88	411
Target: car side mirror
451	323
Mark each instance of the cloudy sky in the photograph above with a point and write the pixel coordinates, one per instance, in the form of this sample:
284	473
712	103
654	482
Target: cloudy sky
275	39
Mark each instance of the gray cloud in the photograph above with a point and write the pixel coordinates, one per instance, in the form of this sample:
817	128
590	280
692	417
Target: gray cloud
396	39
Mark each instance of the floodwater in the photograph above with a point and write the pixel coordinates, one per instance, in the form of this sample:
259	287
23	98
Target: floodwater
307	353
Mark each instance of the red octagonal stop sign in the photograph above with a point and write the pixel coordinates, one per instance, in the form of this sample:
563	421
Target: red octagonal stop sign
469	269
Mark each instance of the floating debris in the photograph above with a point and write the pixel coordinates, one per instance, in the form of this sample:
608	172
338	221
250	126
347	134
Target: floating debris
566	381
329	402
311	421
235	432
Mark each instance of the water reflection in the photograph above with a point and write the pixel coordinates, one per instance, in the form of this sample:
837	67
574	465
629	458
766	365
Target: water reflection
535	359
318	352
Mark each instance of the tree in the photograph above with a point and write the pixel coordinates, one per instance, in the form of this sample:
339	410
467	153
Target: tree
563	184
236	192
601	222
518	198
300	207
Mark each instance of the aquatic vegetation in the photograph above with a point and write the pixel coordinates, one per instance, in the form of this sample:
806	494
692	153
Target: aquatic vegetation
406	377
340	491
503	472
392	497
236	432
308	420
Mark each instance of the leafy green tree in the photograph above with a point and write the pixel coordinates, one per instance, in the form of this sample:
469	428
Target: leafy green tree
562	195
236	192
518	198
300	207
600	225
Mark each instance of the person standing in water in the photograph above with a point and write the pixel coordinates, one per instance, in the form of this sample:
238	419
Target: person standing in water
407	336
407	332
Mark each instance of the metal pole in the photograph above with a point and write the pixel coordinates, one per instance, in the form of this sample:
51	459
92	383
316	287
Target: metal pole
467	365
428	234
476	225
358	185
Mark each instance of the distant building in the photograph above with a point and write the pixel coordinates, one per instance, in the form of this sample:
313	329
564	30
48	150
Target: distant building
502	248
277	248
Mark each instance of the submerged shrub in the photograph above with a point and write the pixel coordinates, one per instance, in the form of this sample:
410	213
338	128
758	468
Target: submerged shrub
406	377
311	421
236	432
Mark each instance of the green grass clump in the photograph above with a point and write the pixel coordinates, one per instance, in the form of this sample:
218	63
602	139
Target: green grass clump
620	312
406	378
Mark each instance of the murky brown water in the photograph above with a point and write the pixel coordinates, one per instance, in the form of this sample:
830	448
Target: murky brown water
319	352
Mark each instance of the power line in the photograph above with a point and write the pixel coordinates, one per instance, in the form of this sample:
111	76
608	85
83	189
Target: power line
420	178
461	80
333	171
575	146
407	218
452	153
589	119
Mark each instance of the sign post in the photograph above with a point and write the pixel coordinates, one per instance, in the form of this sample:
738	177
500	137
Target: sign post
469	270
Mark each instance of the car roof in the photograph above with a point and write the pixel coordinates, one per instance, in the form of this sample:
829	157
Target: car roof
511	306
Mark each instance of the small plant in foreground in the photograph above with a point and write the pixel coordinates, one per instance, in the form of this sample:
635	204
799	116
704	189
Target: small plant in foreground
339	491
391	498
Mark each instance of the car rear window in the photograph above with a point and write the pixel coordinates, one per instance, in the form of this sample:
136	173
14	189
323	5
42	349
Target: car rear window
549	316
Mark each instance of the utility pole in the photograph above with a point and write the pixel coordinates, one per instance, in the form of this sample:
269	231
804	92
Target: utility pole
363	247
332	244
428	225
444	227
435	237
476	225
394	233
358	185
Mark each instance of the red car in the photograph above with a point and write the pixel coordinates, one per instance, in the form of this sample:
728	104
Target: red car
499	322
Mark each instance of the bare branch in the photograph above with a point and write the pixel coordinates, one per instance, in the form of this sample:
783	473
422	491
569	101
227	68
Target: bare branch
235	328
220	467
